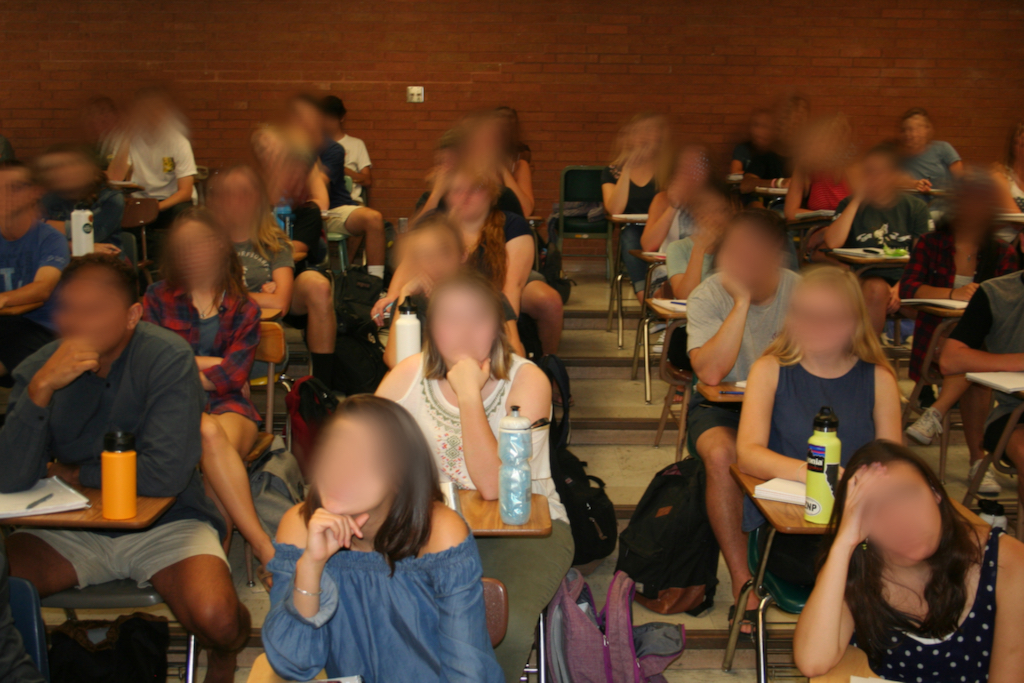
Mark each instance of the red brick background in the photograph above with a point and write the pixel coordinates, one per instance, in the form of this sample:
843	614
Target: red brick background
575	70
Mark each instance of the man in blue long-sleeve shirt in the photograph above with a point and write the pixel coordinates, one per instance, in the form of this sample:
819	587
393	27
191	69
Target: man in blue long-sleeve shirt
108	372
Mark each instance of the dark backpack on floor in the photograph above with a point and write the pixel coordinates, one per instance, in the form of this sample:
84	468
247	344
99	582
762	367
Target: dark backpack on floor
552	272
529	335
309	403
669	548
591	513
355	293
358	363
133	649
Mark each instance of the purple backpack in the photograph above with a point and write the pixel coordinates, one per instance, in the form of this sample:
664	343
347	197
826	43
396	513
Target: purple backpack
585	646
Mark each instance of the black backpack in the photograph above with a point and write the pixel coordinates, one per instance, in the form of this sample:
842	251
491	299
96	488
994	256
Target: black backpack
355	294
358	364
591	514
552	272
669	548
529	335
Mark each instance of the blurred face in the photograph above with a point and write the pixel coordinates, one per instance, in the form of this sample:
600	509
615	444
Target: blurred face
235	202
352	472
903	519
463	326
879	176
307	118
434	253
468	200
17	194
762	130
916	132
711	211
67	174
92	308
197	252
749	256
692	171
645	138
821	320
99	120
975	209
486	140
151	113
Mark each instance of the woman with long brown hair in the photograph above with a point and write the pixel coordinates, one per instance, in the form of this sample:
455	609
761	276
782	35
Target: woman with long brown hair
374	576
202	299
928	595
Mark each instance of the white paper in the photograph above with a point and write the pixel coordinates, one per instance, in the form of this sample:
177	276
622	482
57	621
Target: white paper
64	499
782	491
1006	382
938	303
821	213
671	304
865	253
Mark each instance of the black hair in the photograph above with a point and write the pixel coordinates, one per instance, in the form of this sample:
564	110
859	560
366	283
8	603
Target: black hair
769	223
885	149
333	106
916	111
124	277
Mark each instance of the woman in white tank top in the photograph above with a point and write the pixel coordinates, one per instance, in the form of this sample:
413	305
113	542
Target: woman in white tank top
458	389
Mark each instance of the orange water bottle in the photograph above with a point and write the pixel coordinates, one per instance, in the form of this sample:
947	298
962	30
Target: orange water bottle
118	475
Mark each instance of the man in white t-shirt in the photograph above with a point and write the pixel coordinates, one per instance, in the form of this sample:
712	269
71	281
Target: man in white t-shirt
357	159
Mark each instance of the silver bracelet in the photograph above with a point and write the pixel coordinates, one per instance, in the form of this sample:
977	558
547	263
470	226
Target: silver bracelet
306	593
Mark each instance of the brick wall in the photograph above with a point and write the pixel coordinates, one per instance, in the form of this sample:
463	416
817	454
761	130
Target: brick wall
575	69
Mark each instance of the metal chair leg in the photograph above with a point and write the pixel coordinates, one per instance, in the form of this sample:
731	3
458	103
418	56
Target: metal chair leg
191	658
542	651
647	363
947	423
249	580
665	411
684	412
618	304
737	624
636	345
762	639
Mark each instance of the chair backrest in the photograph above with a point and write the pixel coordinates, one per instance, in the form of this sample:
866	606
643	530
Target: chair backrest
28	619
581	184
272	346
496	608
139	211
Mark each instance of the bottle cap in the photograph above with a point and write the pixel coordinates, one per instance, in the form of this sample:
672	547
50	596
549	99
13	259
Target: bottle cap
826	420
119	441
407	306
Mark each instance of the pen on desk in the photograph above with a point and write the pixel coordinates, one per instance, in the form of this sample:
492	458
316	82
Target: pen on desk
45	498
731	393
679	303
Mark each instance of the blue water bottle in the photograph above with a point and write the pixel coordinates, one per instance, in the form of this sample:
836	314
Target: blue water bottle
515	482
285	218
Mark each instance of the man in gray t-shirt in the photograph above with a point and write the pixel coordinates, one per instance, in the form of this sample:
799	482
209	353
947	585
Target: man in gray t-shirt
731	318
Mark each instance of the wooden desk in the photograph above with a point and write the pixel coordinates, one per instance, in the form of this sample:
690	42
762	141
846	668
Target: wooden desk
19	310
628	218
771	192
125	186
484	517
853	663
148	511
1010	218
785	518
270	314
862	264
715	395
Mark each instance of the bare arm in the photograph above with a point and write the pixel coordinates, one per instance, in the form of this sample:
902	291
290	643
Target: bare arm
684	283
713	361
797	188
659	220
888	410
958	358
318	189
1006	201
182	195
35	292
838	231
825	626
520	262
753	455
281	297
735	166
363	177
1007	647
522	193
616	196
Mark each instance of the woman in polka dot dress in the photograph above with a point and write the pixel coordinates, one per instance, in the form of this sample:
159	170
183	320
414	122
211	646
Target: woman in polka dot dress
929	596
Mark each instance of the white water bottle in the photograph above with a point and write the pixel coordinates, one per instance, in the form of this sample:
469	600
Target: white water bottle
407	331
81	232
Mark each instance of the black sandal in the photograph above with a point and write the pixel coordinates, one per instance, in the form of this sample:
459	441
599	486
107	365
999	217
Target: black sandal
749	618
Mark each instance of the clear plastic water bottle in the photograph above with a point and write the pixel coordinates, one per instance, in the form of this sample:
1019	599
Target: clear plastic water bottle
515	482
285	218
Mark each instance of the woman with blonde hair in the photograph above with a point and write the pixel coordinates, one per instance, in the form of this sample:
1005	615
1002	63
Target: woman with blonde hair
827	354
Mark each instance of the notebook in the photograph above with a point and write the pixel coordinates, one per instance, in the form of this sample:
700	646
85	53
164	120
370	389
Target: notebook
62	498
671	304
782	491
867	252
938	303
1006	382
820	213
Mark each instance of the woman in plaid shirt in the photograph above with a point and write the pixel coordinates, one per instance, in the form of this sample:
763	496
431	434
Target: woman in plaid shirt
204	300
950	263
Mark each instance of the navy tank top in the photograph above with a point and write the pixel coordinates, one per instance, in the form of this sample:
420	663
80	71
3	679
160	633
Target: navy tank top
798	398
965	654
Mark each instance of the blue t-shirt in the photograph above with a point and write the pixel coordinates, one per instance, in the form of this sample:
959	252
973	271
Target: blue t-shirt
933	164
21	259
332	156
107	211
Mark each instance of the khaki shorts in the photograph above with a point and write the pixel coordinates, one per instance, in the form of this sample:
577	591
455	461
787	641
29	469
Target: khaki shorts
137	556
338	217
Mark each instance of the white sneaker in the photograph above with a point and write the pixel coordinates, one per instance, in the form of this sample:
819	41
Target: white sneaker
658	346
989	486
926	427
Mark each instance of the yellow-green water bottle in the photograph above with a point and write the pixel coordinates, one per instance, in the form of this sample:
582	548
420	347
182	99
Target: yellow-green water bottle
824	452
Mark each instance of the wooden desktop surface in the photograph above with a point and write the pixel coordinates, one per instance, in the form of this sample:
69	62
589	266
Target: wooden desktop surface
715	395
148	510
666	313
859	261
647	256
484	516
270	314
937	311
620	219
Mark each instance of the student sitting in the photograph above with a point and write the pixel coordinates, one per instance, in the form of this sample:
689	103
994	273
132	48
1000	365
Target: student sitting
911	581
114	372
458	389
668	219
821	167
929	163
732	317
345	215
518	156
990	338
1009	173
950	263
491	140
374	576
879	215
760	139
32	254
433	252
16	666
74	181
157	156
101	121
358	166
202	298
826	355
689	261
630	183
289	168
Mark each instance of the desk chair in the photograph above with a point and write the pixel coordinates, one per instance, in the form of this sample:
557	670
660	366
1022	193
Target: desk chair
138	213
123	595
676	378
583	184
772	590
28	619
995	459
202	175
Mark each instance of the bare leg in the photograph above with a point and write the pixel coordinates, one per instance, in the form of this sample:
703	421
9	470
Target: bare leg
876	296
974	406
312	296
717	449
542	303
200	592
34	559
953	387
370	225
225	436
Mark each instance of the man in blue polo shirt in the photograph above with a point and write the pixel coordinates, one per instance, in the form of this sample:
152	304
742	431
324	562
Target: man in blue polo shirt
32	255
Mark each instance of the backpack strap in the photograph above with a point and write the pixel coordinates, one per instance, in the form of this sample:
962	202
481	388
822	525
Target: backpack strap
554	368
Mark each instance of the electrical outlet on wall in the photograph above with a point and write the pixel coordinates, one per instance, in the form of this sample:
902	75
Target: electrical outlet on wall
414	93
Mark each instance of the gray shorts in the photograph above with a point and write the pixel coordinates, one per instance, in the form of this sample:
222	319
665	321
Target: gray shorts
137	556
337	218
